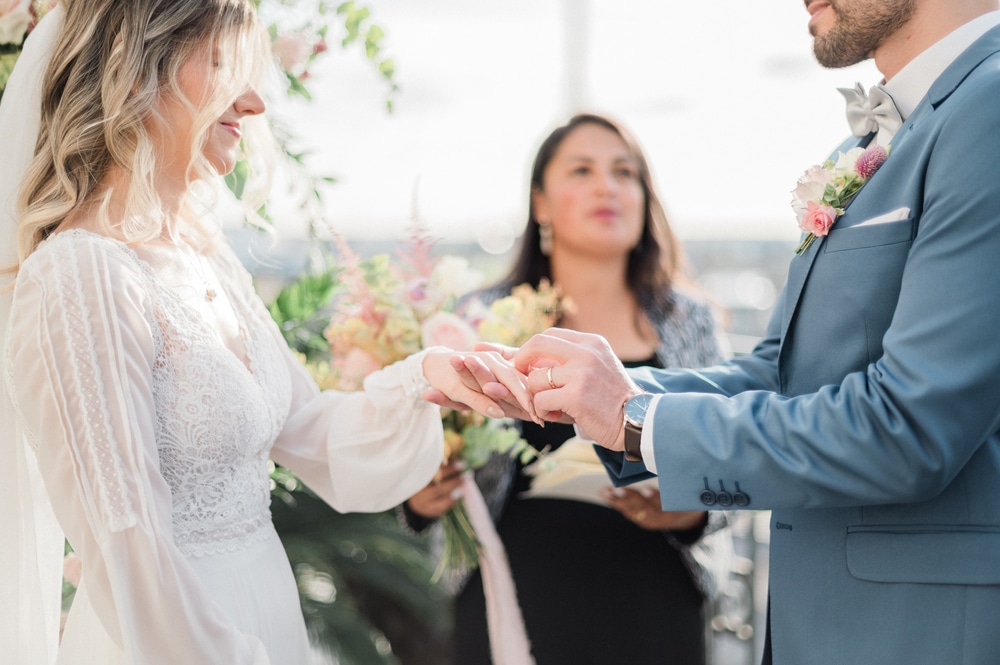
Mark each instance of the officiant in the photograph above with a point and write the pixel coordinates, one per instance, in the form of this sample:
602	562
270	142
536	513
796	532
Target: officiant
597	230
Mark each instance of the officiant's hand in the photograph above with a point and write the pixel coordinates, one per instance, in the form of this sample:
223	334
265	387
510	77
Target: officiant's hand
577	376
642	507
441	493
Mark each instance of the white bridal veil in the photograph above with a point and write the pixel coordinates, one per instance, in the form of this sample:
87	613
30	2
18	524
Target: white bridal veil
31	543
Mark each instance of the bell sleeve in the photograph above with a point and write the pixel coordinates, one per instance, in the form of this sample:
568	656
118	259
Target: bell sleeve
365	451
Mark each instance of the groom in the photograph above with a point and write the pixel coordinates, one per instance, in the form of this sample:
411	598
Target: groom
868	418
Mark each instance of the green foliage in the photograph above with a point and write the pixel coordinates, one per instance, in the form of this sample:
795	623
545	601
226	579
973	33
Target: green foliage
364	583
360	30
352	21
352	570
301	311
345	563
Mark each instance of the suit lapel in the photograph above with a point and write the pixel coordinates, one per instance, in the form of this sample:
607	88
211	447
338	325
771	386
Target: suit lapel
949	81
959	70
797	273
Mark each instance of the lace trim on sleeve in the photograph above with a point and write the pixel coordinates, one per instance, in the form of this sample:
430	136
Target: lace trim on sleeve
85	373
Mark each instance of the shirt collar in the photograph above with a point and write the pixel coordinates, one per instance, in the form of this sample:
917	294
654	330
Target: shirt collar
913	81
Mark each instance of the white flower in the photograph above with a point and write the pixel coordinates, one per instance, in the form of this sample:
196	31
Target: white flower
846	161
14	21
453	276
808	188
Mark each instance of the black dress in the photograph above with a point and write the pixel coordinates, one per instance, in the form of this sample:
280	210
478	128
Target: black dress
594	588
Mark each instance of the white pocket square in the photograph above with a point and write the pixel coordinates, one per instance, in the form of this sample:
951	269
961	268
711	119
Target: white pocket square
893	216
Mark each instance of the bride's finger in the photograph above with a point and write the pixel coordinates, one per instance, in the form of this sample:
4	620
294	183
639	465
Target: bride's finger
467	399
457	363
435	396
488	369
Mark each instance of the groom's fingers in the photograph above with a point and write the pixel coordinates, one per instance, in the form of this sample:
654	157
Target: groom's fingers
554	346
506	351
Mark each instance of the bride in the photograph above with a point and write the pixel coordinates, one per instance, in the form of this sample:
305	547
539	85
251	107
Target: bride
147	385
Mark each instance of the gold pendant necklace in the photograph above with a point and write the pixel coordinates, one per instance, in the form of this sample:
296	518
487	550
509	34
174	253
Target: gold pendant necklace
210	292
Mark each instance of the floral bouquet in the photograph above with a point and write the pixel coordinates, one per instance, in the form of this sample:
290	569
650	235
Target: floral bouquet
389	309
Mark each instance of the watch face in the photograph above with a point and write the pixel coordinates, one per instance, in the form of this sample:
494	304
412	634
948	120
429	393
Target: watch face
635	409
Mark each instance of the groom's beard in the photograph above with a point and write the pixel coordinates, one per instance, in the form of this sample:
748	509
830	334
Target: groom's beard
860	26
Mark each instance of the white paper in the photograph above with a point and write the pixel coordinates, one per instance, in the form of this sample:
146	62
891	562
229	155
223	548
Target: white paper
573	471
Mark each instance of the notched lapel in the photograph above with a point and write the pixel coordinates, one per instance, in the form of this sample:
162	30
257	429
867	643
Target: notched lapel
949	81
959	70
798	271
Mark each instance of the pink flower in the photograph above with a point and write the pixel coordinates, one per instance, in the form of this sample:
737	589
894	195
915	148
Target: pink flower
72	569
818	219
870	160
292	50
416	290
447	329
7	6
354	367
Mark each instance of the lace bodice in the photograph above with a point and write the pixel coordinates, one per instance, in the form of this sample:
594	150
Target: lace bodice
217	418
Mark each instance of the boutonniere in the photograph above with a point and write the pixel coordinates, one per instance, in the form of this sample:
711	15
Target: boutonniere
822	193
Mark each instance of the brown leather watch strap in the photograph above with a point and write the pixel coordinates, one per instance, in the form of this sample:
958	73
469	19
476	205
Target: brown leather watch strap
633	447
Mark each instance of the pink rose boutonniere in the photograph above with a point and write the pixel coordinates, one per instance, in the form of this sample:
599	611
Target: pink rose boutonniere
822	193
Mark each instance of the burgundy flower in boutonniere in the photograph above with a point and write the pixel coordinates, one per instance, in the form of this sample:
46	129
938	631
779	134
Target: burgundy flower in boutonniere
822	193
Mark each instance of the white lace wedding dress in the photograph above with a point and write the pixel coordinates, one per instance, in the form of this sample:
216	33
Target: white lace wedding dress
153	439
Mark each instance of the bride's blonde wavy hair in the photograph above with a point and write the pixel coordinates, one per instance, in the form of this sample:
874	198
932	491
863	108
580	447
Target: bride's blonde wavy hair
114	61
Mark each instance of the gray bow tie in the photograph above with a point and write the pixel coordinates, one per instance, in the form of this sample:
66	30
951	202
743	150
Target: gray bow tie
872	112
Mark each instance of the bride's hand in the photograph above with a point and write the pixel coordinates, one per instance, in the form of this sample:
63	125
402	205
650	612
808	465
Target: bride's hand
483	381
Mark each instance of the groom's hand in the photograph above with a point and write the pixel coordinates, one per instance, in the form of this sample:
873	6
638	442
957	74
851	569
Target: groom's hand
578	375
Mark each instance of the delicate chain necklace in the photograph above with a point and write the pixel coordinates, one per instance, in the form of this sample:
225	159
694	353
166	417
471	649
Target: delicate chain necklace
195	264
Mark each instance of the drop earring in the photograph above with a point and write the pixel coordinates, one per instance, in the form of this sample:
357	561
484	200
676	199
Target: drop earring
545	237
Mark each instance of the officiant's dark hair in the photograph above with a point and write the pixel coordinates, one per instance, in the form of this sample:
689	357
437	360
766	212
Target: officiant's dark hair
654	262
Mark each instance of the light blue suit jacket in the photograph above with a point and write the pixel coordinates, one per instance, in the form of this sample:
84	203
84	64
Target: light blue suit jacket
868	419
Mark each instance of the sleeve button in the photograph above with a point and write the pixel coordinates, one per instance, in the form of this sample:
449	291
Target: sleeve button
708	497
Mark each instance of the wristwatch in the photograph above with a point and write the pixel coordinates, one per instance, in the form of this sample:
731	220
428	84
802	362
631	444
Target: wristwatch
635	416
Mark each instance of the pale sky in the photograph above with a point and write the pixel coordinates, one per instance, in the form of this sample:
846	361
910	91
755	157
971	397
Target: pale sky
724	97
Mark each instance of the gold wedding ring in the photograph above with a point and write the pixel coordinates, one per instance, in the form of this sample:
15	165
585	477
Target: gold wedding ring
548	375
640	516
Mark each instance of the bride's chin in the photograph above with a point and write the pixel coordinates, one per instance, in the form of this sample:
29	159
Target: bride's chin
222	165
